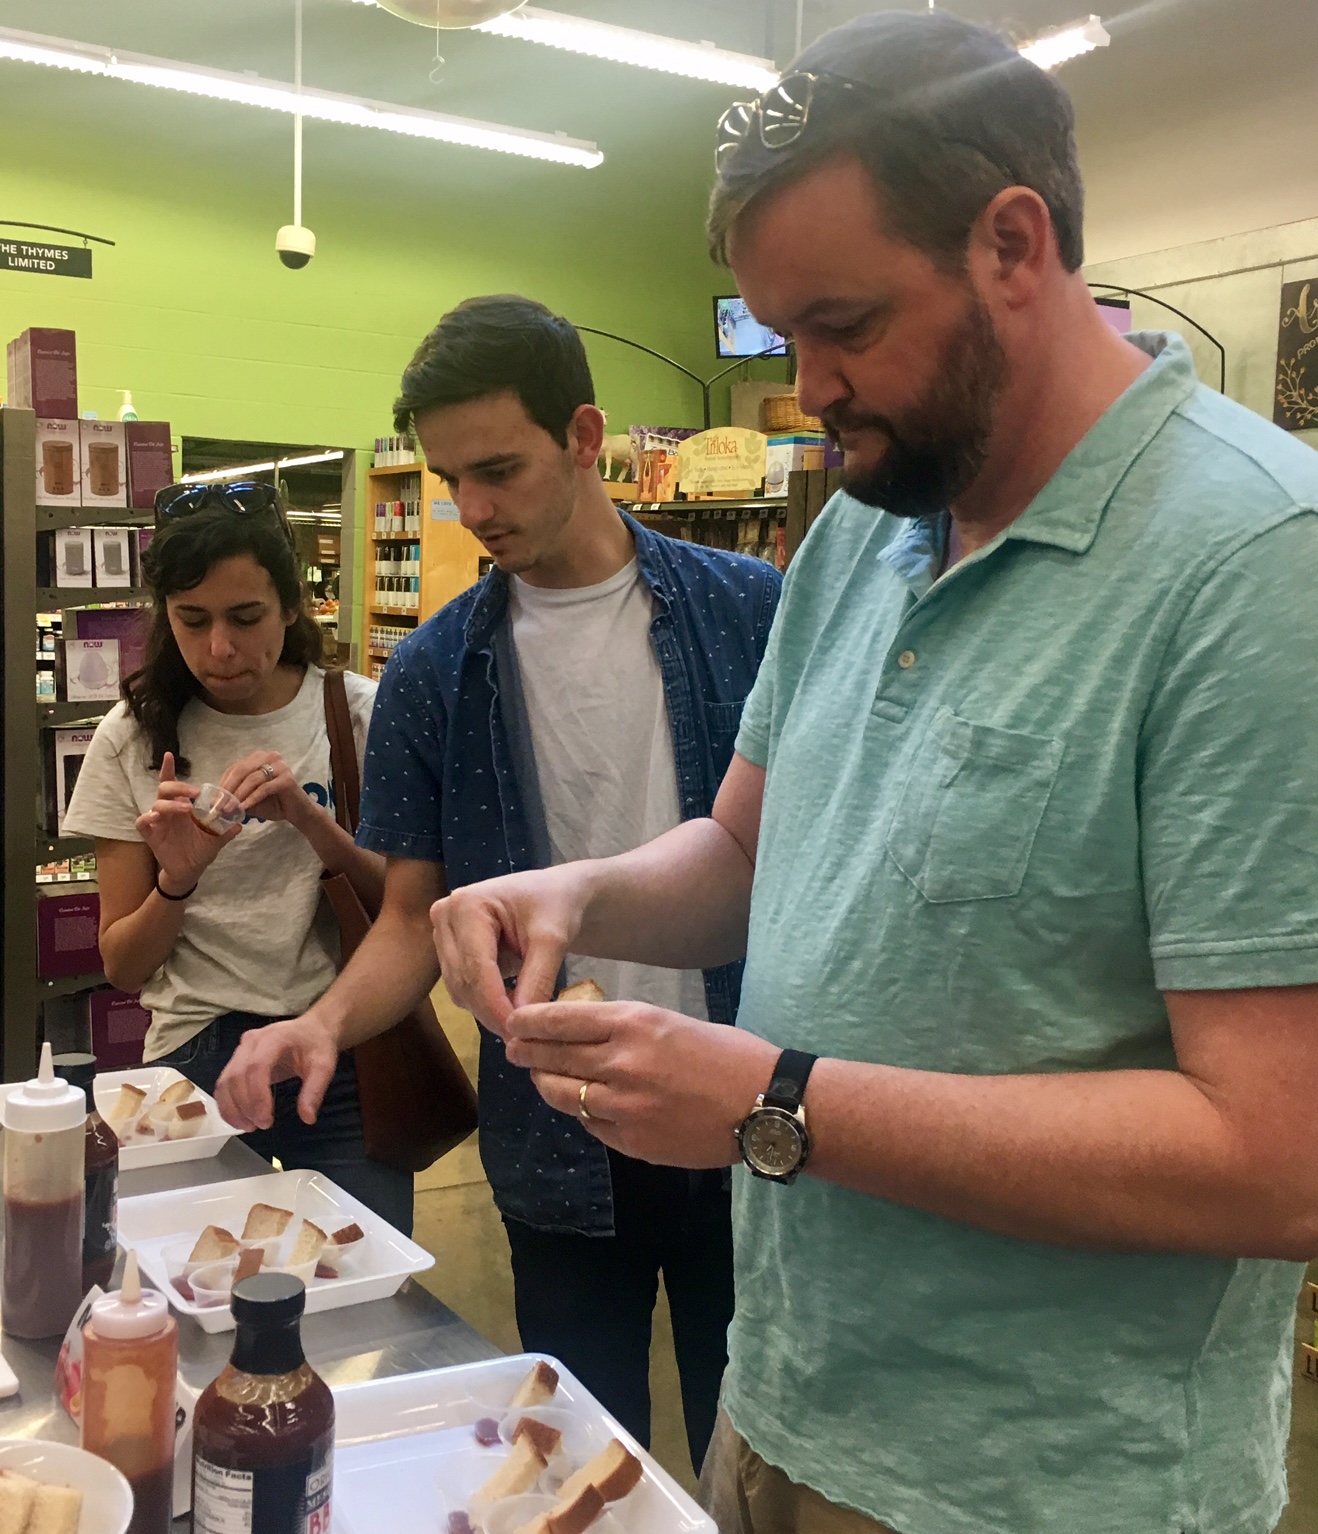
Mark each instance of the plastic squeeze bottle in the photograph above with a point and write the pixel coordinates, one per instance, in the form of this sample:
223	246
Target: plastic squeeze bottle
129	1365
263	1432
101	1197
45	1123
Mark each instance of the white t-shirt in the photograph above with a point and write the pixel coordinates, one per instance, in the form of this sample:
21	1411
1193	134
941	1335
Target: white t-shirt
255	937
603	746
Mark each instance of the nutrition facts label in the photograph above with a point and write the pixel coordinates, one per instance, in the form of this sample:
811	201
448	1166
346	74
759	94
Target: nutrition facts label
221	1499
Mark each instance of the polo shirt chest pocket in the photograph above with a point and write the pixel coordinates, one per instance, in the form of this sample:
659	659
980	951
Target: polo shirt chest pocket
970	808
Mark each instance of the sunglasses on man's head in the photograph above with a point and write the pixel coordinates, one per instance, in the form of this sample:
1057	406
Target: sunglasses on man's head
779	115
244	498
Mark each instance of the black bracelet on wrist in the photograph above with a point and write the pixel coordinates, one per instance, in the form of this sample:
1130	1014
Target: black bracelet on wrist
165	895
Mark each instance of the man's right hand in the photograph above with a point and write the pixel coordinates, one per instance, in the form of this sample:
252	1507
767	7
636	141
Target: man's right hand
522	924
304	1047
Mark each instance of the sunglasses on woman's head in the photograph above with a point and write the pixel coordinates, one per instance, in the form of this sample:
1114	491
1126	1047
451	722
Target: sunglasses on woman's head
244	498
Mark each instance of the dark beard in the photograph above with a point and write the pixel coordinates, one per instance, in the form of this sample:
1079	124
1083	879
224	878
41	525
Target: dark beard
943	441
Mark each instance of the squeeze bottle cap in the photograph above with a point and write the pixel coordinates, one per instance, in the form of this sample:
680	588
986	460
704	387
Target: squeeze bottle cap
131	1313
45	1105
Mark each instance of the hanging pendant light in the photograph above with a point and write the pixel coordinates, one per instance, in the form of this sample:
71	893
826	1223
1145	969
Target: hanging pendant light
449	14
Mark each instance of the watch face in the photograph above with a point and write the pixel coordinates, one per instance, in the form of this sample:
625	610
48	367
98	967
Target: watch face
773	1142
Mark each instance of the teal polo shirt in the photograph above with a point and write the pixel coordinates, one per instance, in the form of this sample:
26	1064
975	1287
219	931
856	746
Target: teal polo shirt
1005	810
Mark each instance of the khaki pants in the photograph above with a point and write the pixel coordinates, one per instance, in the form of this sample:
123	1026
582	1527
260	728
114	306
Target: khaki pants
744	1495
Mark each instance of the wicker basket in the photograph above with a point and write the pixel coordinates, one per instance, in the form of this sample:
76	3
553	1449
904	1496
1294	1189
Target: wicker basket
781	413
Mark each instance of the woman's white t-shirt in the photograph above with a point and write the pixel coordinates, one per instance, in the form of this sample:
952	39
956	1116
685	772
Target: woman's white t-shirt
255	936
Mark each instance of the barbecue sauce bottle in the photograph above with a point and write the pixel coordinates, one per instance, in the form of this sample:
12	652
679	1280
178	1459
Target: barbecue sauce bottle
129	1368
45	1127
263	1432
101	1160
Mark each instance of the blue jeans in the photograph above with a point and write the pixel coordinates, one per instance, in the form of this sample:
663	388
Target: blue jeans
332	1145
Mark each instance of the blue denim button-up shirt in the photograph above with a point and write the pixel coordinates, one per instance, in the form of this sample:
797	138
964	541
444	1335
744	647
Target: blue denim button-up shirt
450	778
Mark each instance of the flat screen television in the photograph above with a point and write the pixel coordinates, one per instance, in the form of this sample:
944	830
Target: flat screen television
737	333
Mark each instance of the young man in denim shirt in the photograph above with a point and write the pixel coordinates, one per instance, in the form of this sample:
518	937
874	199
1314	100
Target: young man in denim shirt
579	701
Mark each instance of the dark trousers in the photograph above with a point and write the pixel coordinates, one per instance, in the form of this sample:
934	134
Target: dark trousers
332	1145
589	1300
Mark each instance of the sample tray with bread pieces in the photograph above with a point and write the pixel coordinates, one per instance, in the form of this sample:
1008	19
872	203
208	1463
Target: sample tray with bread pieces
447	1451
193	1243
158	1115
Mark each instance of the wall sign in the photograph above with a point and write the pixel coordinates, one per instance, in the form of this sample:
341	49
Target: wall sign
45	260
1295	400
444	511
726	461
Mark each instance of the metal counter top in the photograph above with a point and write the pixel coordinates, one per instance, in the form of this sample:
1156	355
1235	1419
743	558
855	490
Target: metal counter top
401	1335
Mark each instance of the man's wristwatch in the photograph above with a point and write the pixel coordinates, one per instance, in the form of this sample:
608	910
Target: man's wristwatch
773	1139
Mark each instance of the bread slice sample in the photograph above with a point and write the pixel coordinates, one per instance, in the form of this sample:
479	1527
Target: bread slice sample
537	1388
249	1262
547	1439
346	1236
128	1103
189	1119
613	1472
178	1092
213	1245
583	990
55	1510
306	1246
16	1496
518	1473
265	1221
572	1516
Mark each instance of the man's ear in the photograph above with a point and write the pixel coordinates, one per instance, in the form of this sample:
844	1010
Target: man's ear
585	435
1012	244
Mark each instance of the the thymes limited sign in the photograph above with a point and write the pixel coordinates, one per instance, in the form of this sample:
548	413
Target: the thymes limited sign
45	260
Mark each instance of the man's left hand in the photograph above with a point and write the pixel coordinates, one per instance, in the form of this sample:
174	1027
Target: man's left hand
659	1086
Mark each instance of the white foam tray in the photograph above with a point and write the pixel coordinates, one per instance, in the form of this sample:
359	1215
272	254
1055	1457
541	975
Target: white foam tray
153	1221
405	1455
153	1079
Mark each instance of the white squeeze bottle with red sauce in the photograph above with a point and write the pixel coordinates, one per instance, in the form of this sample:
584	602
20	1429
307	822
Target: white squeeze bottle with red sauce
45	1131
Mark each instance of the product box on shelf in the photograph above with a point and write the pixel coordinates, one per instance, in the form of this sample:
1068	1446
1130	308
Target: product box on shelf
150	461
42	368
68	920
141	541
66	557
788	452
113	553
87	671
62	752
59	470
118	1023
128	625
104	470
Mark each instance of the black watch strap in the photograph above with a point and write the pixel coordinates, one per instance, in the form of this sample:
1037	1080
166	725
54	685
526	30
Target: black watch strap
789	1078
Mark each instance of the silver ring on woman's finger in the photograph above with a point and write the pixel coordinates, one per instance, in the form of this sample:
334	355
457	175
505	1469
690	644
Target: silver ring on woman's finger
581	1102
268	773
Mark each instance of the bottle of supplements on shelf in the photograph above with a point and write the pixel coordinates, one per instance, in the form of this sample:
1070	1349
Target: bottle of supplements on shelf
45	1122
129	1368
263	1432
101	1164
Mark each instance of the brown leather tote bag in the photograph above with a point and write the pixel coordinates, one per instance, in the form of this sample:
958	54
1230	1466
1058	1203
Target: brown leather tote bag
417	1101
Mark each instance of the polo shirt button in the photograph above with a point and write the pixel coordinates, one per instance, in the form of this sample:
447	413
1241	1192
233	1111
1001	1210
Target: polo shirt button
906	659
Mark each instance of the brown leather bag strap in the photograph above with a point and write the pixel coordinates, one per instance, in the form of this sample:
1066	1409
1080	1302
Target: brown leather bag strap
343	753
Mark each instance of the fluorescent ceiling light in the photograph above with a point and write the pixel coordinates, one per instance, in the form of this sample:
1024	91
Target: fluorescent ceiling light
1052	48
324	106
622	45
238	470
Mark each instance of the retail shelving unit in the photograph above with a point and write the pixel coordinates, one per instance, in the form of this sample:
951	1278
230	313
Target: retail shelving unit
26	841
714	522
450	555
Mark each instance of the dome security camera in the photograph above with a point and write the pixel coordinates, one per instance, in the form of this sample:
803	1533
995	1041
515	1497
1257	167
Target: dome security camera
295	245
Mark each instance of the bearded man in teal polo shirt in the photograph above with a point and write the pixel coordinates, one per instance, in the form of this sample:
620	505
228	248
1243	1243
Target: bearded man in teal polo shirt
1020	843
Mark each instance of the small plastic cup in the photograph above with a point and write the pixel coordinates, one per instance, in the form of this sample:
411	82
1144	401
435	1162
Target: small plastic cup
211	1284
216	810
343	1259
509	1513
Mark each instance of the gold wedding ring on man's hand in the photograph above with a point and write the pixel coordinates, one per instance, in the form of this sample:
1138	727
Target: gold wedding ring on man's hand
585	1112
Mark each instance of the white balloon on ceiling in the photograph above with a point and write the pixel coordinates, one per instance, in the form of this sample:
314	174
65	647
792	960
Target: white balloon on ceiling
449	13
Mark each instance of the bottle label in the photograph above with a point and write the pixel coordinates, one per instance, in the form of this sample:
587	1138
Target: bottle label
287	1499
100	1238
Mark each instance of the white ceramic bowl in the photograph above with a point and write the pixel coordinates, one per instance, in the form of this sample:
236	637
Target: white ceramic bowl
107	1499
